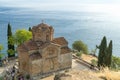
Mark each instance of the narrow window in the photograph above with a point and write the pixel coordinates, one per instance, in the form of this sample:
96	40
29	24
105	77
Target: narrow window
47	37
51	64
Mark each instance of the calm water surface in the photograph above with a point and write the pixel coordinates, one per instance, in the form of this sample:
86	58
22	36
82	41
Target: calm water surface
90	27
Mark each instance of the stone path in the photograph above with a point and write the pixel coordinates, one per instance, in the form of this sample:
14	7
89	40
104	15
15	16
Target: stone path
78	66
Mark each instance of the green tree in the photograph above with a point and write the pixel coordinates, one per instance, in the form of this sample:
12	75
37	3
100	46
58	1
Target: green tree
105	53
1	54
30	29
102	52
109	55
1	47
11	51
21	36
80	46
10	46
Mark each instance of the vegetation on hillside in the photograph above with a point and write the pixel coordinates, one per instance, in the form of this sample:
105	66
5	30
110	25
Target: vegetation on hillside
105	58
1	54
105	53
79	54
11	48
80	46
18	38
115	64
94	62
21	36
107	74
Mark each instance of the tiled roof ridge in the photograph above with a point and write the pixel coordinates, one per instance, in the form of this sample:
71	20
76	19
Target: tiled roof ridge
60	41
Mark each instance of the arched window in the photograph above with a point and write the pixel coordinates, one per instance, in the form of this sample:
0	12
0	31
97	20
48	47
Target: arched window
51	51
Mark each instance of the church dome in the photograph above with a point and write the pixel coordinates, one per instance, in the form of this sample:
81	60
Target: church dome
42	32
41	26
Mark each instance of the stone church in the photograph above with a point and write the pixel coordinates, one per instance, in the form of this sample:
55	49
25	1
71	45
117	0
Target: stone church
44	54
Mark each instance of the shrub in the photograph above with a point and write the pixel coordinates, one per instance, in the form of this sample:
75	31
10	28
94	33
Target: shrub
80	46
21	36
115	63
57	76
94	62
1	54
27	76
79	54
1	78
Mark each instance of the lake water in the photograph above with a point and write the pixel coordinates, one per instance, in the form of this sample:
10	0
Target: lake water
90	27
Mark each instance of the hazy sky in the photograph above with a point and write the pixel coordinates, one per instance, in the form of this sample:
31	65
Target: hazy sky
33	3
89	5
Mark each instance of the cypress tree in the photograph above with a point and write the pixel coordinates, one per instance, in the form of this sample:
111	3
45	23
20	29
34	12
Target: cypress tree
10	46
30	29
102	52
105	53
109	54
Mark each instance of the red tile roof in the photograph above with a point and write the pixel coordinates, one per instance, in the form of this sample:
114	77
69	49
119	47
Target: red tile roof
65	50
31	45
22	48
61	41
34	45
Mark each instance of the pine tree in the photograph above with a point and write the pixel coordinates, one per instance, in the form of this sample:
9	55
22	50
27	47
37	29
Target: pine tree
10	46
102	52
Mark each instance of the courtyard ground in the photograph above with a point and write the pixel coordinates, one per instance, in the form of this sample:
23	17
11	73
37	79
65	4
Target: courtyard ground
78	72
